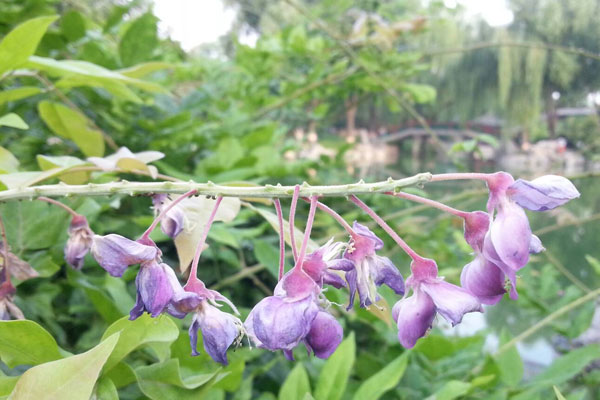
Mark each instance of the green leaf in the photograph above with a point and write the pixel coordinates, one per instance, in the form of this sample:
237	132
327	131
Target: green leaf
71	124
164	381
18	93
594	262
12	120
140	70
72	25
334	375
7	384
296	385
139	41
66	163
567	366
25	342
451	390
106	390
509	363
21	42
384	380
8	162
71	378
142	331
267	255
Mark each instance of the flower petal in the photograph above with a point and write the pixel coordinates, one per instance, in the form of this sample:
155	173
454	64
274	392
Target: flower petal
483	280
384	271
332	279
510	234
154	287
543	193
325	335
115	253
367	233
219	331
476	226
451	301
414	316
535	245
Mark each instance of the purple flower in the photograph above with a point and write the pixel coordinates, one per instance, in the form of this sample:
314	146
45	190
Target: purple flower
79	242
543	193
370	270
483	279
115	253
324	336
156	285
322	265
173	222
219	331
431	294
8	309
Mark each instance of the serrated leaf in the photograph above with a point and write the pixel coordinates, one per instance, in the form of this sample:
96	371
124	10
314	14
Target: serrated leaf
8	162
73	125
71	378
12	120
142	331
336	371
296	385
21	42
18	93
25	342
384	380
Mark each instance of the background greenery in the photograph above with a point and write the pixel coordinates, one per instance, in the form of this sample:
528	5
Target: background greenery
98	75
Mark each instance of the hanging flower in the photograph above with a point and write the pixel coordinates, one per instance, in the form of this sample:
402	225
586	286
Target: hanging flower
79	242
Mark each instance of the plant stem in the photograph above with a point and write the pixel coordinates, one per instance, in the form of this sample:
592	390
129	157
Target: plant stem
291	220
459	175
61	205
307	230
194	270
335	216
412	254
432	203
548	319
209	189
281	238
166	210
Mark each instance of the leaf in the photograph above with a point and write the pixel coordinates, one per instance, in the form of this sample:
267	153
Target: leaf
567	366
509	363
71	124
140	70
296	385
384	380
139	41
197	211
142	331
71	378
558	394
72	25
21	42
451	390
8	162
164	381
336	371
274	221
87	73
594	262
267	255
18	93
25	342
65	162
7	384
105	390
12	120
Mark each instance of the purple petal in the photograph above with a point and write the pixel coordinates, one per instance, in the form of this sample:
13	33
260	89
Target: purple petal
193	332
451	301
351	278
476	226
543	193
510	234
423	269
498	183
295	285
367	233
154	287
332	279
79	242
325	335
490	253
289	355
483	280
414	316
384	271
219	331
535	245
340	264
173	222
279	324
115	253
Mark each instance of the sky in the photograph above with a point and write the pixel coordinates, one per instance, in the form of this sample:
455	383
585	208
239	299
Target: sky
195	22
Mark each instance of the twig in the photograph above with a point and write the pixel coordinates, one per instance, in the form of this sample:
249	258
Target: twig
209	189
238	276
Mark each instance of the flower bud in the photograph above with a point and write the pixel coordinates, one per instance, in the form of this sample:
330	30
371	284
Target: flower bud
325	335
115	253
79	242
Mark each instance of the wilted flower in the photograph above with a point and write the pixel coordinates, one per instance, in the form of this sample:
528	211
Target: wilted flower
369	270
324	336
431	294
322	264
156	286
8	309
79	242
115	253
173	222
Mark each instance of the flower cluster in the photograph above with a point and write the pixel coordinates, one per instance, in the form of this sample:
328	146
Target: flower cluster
298	311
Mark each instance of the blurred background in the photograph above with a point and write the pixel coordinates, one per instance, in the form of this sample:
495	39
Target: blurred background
332	91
